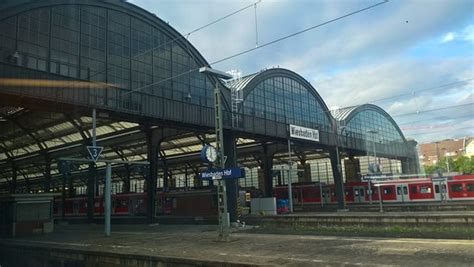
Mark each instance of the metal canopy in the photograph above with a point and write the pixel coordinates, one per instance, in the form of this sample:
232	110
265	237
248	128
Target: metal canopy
46	137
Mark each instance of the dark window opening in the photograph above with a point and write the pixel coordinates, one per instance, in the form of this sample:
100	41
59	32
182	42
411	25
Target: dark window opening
470	187
456	187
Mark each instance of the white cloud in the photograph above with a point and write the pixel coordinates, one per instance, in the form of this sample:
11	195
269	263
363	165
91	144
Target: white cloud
403	79
468	33
448	37
351	61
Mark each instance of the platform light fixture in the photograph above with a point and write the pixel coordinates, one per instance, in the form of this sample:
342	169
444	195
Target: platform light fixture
215	73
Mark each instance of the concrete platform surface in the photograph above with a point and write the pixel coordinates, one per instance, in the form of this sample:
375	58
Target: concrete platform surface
383	214
198	242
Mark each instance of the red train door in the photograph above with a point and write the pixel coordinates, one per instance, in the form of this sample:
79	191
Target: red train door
440	189
327	195
359	194
402	193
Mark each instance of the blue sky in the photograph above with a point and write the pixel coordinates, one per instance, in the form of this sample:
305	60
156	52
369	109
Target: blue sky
397	48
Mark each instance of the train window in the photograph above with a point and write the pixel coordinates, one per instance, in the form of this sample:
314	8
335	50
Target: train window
425	190
405	190
436	188
456	187
399	190
413	190
470	187
361	192
387	191
121	203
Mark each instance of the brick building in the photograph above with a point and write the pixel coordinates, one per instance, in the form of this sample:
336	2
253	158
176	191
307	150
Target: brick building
431	153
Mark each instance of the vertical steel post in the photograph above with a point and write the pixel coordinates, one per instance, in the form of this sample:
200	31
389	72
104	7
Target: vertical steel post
447	163
375	153
94	140
380	199
63	195
290	191
108	209
221	184
321	193
94	143
369	182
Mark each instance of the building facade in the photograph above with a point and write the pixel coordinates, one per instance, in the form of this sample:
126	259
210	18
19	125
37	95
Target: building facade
59	59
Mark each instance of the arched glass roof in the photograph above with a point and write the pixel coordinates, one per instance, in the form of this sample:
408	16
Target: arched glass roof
284	96
105	41
368	121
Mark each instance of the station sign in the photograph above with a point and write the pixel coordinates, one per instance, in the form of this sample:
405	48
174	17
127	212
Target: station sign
95	152
304	133
225	174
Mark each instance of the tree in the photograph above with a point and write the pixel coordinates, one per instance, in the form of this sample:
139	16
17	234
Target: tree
461	164
464	164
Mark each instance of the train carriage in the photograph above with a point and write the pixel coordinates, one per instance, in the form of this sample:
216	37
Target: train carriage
454	188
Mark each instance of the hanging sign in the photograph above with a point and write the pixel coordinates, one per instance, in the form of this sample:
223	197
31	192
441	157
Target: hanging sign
304	133
226	174
95	152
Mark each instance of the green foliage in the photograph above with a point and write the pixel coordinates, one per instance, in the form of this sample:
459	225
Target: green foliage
460	164
464	164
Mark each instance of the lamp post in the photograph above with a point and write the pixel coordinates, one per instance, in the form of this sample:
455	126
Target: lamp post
221	184
373	132
446	155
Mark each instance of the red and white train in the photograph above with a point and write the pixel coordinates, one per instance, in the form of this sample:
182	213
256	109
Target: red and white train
204	202
179	203
456	188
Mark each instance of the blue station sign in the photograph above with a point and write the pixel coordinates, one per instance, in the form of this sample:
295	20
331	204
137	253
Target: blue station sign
226	174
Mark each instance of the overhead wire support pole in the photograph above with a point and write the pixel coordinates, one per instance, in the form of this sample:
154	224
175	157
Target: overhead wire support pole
222	194
223	215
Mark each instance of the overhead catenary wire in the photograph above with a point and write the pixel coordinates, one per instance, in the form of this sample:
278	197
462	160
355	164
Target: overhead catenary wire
437	87
444	130
256	26
432	110
261	46
442	86
411	93
299	32
401	125
186	35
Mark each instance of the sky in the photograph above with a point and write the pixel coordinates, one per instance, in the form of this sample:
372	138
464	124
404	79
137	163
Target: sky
415	59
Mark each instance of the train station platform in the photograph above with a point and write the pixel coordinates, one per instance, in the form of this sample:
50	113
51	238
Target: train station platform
196	245
341	218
